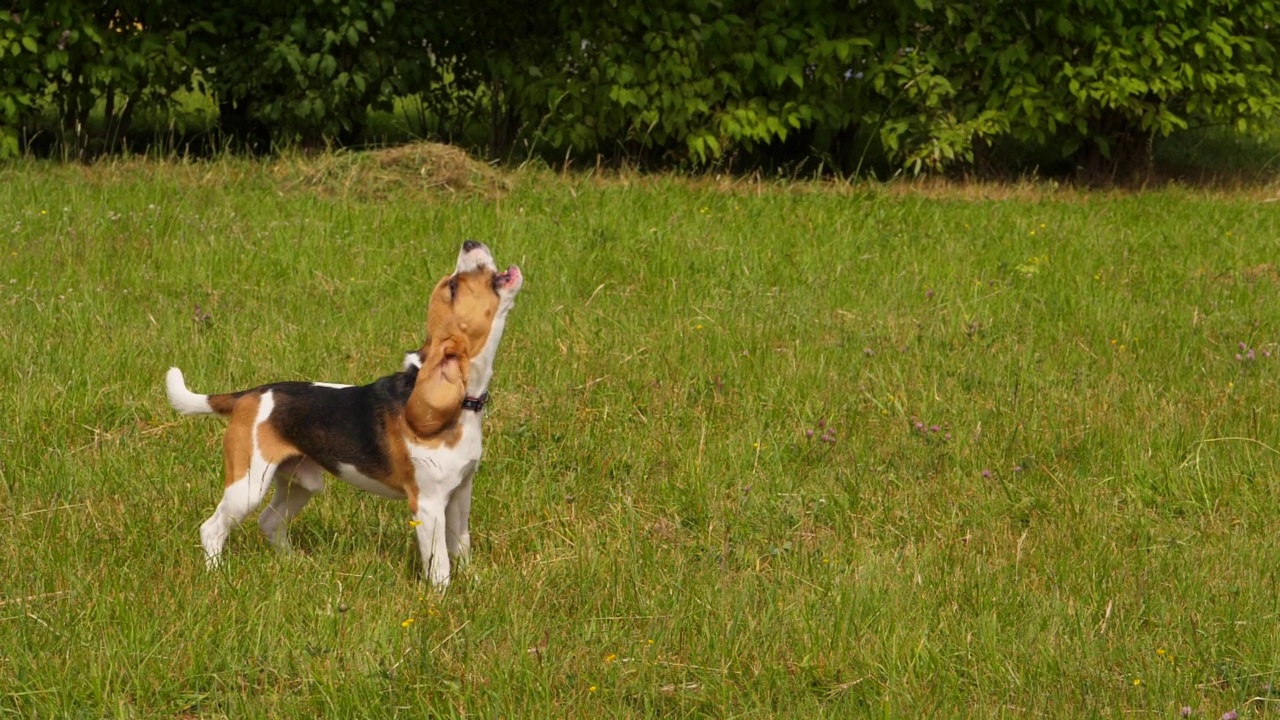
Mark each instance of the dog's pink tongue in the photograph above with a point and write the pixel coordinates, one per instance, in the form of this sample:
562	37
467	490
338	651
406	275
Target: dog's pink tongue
512	277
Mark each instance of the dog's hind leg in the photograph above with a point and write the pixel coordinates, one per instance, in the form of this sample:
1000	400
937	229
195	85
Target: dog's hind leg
238	500
291	495
248	471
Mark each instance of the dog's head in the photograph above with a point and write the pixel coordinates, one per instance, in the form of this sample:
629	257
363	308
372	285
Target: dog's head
465	304
465	316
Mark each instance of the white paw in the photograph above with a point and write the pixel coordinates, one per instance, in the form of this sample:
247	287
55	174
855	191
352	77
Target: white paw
462	550
212	541
438	574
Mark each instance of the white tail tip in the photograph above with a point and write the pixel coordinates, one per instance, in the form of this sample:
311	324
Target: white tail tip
182	399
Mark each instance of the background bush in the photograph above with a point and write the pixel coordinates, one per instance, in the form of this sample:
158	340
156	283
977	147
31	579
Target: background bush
1092	83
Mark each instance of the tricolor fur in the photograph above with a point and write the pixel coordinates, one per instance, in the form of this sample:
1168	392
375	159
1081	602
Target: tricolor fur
404	436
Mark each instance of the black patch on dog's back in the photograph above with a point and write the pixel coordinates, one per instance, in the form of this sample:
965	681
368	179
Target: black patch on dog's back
336	426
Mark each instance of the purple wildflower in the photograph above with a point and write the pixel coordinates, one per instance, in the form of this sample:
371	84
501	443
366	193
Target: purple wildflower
822	424
1185	711
986	474
933	428
1017	468
808	433
1229	715
1238	357
1249	355
947	436
928	294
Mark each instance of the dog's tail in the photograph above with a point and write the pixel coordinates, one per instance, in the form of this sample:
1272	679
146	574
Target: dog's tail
189	403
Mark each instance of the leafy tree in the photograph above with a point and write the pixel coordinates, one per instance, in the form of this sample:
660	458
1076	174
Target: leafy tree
78	54
680	81
307	71
1099	79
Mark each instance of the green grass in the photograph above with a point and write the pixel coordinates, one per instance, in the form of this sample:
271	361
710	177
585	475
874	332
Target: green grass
656	534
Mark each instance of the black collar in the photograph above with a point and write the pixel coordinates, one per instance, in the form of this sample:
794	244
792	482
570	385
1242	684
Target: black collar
476	404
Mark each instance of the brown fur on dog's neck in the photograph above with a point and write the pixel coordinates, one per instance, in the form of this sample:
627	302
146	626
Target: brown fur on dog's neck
436	401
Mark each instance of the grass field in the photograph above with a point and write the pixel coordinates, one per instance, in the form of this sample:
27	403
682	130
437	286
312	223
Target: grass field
758	451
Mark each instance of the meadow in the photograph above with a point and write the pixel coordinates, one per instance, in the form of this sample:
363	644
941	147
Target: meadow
755	449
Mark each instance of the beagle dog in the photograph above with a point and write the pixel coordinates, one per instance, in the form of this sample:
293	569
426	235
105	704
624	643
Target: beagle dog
414	435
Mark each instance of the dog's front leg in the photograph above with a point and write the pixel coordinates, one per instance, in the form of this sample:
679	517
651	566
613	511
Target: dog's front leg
457	518
431	530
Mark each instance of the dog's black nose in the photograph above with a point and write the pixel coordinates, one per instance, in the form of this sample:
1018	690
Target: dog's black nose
470	245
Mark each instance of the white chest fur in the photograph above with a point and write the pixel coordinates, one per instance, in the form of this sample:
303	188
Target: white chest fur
439	471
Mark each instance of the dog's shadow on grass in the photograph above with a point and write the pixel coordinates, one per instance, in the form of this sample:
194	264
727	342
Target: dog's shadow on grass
331	542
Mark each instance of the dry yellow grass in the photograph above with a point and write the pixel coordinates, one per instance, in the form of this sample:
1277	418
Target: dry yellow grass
417	168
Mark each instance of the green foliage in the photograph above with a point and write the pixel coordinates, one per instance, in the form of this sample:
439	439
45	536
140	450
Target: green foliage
307	71
21	79
685	81
701	78
67	56
310	71
696	77
1105	76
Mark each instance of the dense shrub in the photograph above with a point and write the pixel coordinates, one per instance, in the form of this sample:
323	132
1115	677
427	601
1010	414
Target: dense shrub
21	79
929	79
929	82
307	72
692	77
1098	78
67	57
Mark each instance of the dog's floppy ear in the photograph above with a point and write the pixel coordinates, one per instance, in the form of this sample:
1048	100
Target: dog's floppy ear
441	386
